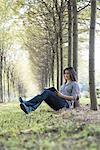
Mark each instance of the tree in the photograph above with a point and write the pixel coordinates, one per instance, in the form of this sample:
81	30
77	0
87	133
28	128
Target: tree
92	56
70	31
75	35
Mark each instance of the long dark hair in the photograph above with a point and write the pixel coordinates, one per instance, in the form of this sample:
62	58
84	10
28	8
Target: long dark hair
72	72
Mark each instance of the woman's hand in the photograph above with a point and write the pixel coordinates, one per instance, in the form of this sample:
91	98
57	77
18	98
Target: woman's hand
64	96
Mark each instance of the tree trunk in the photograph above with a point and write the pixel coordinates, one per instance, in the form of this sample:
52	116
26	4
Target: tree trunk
13	82
4	80
52	68
42	79
46	76
57	57
70	39
75	36
55	23
61	41
92	56
49	79
8	84
1	84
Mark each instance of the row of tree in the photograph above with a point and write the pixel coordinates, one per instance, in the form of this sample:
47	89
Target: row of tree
51	17
50	32
10	83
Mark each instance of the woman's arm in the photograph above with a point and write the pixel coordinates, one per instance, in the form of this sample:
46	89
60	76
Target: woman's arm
73	95
64	96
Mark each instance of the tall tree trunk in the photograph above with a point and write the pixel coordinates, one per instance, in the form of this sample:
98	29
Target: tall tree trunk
52	68
55	23
57	57
48	63
92	56
52	54
12	80
13	84
61	41
75	36
42	79
1	84
70	31
8	84
45	76
4	80
52	61
49	79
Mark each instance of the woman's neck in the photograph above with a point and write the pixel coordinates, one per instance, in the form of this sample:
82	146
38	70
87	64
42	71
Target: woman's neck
69	81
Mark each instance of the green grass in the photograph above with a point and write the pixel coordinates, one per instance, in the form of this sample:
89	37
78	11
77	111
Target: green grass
87	100
45	129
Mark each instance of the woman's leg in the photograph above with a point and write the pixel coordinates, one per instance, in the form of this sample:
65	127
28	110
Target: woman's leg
49	97
51	89
55	101
31	105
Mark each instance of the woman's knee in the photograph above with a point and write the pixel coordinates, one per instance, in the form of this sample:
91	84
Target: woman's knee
47	91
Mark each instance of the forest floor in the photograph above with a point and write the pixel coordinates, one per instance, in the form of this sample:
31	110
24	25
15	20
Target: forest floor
45	129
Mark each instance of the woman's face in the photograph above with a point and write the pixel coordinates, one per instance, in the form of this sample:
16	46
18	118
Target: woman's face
67	75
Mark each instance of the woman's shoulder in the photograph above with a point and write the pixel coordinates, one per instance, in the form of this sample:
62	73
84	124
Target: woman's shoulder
75	83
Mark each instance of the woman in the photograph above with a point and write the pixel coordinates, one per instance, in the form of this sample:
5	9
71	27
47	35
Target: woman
67	97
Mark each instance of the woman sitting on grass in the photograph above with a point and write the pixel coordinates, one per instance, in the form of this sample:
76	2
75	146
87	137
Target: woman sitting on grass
67	97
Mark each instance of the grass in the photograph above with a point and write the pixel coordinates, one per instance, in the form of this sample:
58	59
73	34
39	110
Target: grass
87	100
45	129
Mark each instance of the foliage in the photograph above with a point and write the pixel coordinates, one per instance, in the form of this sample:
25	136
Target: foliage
47	129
